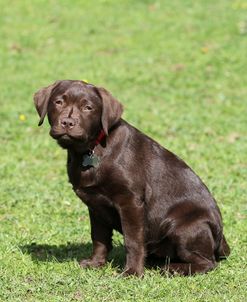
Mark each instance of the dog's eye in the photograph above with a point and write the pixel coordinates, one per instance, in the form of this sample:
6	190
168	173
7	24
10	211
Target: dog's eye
87	108
59	102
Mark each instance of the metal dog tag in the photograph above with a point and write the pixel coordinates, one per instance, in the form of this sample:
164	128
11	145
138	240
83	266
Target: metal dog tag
90	160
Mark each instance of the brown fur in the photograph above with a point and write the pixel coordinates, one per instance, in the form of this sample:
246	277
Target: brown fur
139	188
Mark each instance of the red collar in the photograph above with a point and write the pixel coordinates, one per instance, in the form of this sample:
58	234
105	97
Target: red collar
100	137
98	140
89	159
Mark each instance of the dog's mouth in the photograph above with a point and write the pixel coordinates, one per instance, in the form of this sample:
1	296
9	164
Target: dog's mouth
77	140
67	138
64	136
68	141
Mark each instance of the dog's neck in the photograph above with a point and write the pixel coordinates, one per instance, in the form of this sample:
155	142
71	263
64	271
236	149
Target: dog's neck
99	139
97	145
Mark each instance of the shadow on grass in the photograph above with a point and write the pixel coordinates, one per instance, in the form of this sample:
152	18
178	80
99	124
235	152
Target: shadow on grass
78	251
69	252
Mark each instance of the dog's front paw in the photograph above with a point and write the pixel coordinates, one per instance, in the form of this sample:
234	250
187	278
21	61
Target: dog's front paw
90	262
132	271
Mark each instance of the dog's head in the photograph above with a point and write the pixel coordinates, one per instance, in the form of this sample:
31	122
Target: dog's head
77	111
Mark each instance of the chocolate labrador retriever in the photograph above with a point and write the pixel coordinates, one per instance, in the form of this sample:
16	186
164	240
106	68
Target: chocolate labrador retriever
131	184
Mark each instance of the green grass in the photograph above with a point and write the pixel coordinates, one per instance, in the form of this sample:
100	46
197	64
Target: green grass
179	67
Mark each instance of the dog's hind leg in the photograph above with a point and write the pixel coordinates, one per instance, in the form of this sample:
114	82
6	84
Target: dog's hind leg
195	253
195	266
224	250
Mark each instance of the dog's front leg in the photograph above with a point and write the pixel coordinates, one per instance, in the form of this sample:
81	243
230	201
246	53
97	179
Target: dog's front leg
132	220
101	235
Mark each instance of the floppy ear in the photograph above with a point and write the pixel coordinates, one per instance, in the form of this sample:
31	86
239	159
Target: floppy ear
41	99
111	110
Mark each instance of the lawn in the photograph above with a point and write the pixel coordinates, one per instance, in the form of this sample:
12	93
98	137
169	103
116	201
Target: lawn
179	68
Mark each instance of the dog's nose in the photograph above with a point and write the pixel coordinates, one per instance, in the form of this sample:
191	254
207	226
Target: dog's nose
67	122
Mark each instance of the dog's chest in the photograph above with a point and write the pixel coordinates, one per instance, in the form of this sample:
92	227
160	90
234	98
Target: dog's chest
86	183
82	178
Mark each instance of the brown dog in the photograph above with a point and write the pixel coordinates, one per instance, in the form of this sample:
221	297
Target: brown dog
131	184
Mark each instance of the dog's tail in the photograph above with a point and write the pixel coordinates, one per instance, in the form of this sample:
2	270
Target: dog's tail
224	250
